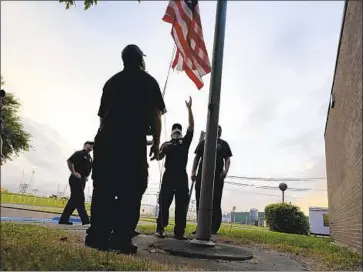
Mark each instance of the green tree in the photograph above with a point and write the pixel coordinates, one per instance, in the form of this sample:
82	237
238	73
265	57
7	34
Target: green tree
87	3
15	138
283	217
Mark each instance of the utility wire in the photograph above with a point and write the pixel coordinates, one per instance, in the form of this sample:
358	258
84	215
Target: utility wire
309	179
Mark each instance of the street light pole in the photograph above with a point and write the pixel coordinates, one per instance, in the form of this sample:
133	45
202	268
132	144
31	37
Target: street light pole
283	188
208	172
283	197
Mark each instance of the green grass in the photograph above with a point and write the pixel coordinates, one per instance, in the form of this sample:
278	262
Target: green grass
320	253
32	248
319	250
34	200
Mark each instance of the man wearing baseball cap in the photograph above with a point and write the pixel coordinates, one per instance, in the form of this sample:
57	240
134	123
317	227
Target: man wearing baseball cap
175	178
130	109
80	165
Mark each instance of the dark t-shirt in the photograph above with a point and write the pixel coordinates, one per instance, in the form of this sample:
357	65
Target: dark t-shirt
127	104
82	162
177	153
223	152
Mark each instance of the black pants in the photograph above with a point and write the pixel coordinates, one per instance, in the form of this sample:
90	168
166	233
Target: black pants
120	176
217	200
115	207
173	183
76	201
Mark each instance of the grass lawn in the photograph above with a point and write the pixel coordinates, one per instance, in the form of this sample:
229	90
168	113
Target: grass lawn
32	247
32	200
50	209
316	253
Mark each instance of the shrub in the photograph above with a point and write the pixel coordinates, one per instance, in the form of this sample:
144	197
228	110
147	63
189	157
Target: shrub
282	217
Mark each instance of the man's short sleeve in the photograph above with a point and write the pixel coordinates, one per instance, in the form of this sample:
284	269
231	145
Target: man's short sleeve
200	149
157	100
188	137
227	153
73	158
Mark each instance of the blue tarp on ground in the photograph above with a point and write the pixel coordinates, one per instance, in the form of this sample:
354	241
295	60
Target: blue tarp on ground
37	220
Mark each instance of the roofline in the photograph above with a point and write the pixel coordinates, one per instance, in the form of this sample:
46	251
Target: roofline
336	61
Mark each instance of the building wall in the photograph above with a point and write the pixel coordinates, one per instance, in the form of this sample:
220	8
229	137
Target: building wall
343	135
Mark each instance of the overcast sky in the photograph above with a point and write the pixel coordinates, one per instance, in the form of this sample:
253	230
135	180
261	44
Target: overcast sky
278	69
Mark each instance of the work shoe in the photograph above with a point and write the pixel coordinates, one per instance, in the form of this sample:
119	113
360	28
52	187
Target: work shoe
180	237
125	247
96	243
65	223
86	223
160	234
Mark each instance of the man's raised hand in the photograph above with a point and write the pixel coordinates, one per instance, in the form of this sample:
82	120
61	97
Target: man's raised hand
189	104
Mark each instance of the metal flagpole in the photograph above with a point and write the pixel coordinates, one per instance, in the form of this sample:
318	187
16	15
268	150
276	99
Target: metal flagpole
206	197
201	137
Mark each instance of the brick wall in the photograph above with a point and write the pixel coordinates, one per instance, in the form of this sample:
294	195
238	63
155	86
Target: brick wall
343	135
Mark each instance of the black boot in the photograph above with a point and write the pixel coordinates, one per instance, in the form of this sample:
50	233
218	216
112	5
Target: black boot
86	222
123	246
160	233
99	244
180	237
64	222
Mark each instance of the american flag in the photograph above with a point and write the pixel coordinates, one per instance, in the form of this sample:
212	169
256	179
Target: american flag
191	54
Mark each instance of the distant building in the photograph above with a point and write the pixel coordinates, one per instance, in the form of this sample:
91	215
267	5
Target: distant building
247	219
343	134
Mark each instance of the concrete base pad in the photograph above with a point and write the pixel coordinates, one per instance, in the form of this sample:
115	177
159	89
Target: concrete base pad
191	250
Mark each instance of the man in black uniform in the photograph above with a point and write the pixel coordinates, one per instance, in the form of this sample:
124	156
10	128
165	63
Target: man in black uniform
175	178
131	108
80	165
223	162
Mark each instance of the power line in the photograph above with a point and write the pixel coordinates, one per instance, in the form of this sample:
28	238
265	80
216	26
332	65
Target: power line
276	179
272	187
253	193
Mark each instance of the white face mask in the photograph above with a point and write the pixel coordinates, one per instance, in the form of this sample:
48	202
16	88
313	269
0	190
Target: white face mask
176	134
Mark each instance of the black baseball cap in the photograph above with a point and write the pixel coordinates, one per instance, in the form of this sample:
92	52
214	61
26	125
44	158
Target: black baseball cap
132	50
176	126
89	143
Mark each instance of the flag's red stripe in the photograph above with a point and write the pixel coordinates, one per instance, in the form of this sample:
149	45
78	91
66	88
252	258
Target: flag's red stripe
197	81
